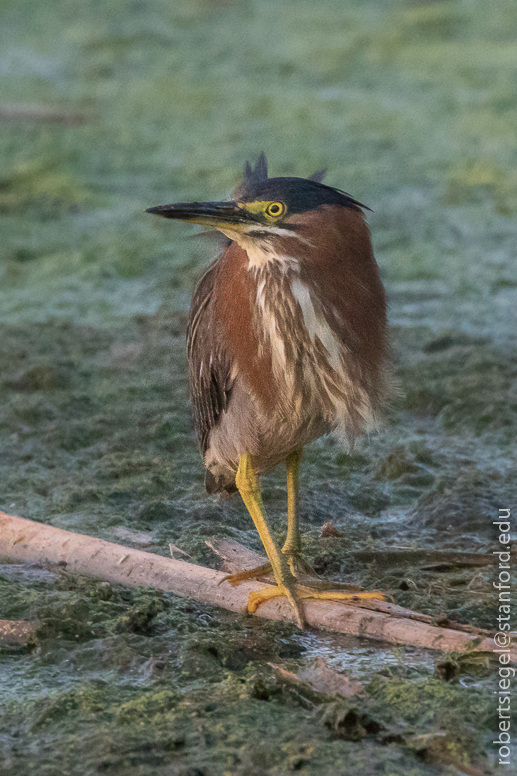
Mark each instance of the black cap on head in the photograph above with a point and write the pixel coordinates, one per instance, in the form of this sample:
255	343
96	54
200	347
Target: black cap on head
299	194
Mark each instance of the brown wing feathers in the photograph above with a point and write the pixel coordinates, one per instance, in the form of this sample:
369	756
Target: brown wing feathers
209	363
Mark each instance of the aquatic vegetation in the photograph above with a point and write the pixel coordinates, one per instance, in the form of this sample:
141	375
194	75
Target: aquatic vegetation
106	109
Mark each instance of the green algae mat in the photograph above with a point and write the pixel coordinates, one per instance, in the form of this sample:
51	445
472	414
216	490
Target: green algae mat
109	108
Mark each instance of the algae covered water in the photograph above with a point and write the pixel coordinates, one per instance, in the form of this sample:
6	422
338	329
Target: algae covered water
107	109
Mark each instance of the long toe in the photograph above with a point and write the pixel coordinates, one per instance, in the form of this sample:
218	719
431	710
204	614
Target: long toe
259	597
295	593
260	571
305	575
311	591
299	566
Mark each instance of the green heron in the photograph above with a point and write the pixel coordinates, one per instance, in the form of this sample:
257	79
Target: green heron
287	341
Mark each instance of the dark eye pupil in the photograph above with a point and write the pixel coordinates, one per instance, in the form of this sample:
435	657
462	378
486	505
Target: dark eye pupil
274	209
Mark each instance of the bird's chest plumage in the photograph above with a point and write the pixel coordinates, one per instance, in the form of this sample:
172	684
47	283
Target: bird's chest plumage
295	374
311	365
290	324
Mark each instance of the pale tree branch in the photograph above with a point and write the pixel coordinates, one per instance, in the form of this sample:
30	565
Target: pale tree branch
28	542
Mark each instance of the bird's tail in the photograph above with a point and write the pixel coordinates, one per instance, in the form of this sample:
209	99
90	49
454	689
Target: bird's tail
219	479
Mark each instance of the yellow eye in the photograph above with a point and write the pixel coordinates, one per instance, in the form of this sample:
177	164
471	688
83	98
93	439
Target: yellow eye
275	210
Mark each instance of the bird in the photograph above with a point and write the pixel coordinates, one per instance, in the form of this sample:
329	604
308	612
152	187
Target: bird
287	341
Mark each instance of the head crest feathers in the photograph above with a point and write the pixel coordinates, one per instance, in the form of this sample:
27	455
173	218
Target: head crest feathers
257	183
317	177
257	174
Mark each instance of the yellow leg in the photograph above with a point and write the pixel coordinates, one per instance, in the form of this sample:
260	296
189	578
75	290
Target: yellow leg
292	548
247	485
284	563
292	545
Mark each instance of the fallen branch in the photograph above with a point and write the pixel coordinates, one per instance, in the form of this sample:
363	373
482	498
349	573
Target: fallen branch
26	541
238	558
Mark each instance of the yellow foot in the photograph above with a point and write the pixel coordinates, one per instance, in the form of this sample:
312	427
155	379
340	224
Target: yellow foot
260	571
299	568
259	597
300	592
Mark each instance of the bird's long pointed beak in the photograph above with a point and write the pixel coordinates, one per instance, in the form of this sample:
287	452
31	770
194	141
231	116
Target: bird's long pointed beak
212	214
